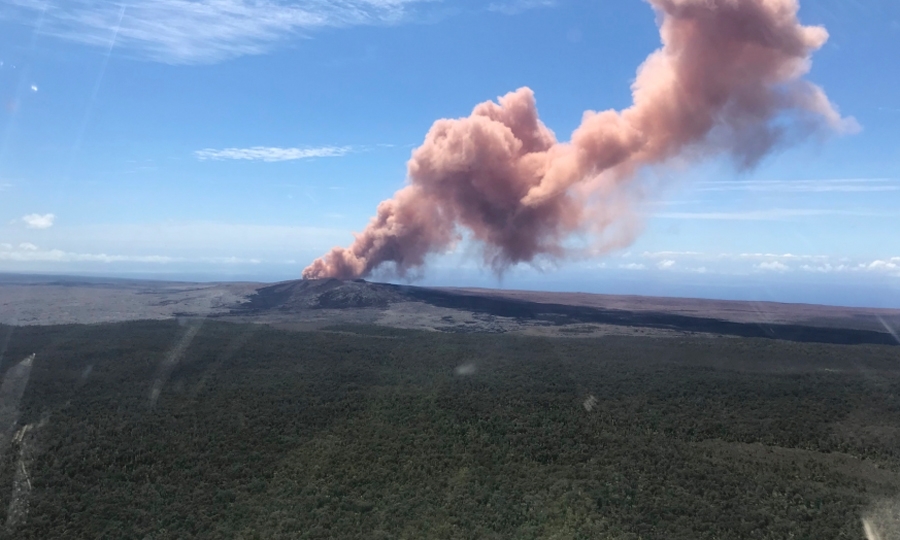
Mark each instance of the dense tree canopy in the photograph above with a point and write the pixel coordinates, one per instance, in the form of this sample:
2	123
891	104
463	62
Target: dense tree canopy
367	432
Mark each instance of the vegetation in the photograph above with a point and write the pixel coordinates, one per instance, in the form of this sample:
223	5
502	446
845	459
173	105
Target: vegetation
368	432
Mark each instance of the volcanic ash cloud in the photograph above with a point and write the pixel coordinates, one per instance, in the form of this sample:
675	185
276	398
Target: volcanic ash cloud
728	79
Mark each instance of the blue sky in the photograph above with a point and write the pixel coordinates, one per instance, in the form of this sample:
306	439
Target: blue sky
240	140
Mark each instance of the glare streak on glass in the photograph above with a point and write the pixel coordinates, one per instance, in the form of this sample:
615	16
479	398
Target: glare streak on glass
882	521
11	390
21	489
21	88
889	328
93	100
172	358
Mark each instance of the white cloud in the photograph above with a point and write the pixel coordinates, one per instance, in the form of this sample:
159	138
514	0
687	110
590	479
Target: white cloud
34	88
772	266
730	256
889	267
266	153
742	263
513	7
202	31
776	256
882	265
632	266
27	252
38	221
195	245
667	254
849	185
823	268
775	214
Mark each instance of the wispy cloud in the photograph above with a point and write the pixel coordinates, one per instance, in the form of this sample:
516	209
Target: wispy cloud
696	255
512	7
668	254
774	214
849	185
184	244
778	256
38	221
266	153
202	31
30	253
27	252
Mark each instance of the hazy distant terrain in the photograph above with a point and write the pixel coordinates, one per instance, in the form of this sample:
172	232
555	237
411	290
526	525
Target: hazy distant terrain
27	300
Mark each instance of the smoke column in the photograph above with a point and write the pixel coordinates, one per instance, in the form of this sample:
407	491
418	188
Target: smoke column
727	80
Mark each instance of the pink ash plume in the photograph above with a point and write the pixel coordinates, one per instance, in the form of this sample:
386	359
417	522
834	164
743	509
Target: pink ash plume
727	80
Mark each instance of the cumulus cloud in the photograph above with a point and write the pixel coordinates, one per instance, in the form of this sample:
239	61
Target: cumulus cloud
665	264
632	266
38	221
202	31
267	153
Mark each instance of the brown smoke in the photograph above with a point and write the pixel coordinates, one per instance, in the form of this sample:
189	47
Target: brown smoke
728	79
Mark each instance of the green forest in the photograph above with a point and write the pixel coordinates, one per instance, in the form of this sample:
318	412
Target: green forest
206	429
